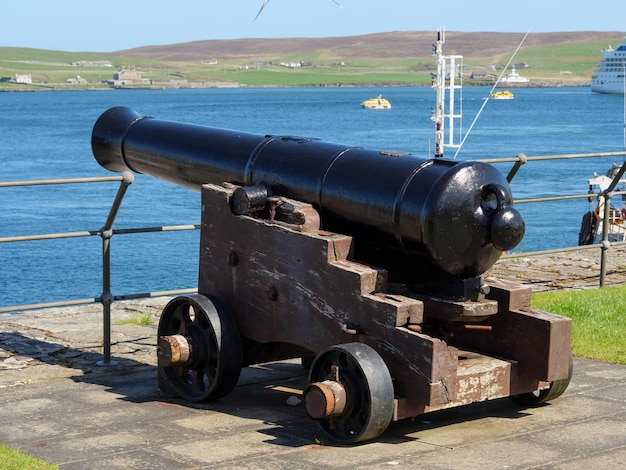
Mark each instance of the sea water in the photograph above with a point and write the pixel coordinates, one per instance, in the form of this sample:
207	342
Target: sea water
46	135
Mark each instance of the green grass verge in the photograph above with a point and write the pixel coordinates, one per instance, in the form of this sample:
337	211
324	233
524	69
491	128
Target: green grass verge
137	318
13	459
599	320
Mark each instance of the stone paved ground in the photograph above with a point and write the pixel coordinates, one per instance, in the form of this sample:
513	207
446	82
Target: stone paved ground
67	341
58	404
576	269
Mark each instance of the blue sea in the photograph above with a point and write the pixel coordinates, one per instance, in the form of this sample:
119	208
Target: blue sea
46	135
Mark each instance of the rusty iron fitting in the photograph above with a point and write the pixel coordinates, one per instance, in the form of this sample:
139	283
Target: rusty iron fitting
477	327
173	351
324	399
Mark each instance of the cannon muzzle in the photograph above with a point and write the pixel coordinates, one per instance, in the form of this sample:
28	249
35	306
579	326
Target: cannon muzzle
421	219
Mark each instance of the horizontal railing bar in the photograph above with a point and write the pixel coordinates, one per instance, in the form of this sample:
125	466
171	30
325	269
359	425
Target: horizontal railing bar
92	179
554	157
163	228
559	250
563	198
552	251
49	236
61	303
553	198
91	233
163	293
94	300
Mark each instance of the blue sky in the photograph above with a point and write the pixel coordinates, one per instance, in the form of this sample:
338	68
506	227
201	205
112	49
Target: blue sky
110	25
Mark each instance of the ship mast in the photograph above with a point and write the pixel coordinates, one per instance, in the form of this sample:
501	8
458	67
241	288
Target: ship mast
444	82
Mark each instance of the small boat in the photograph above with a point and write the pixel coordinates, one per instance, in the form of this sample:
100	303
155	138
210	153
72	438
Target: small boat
593	221
376	103
513	78
502	95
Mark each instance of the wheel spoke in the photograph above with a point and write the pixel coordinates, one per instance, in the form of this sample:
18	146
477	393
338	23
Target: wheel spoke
199	381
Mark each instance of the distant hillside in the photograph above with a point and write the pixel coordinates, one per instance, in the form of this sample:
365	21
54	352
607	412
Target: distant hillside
399	44
383	59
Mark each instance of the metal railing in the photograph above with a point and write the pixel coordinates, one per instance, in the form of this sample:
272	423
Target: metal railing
105	233
607	194
127	178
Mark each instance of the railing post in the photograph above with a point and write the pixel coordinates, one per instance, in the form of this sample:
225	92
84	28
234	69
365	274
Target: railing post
521	159
607	194
605	244
106	298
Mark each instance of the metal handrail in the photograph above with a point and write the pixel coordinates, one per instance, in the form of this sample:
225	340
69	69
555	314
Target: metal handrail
106	233
521	159
127	178
607	194
92	179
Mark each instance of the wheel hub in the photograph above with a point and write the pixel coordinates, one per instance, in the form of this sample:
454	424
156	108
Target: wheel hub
324	399
174	351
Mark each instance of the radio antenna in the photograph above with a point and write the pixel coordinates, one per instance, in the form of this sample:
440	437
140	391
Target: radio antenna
490	91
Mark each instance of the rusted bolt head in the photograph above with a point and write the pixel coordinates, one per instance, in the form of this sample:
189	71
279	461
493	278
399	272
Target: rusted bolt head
272	293
232	258
324	399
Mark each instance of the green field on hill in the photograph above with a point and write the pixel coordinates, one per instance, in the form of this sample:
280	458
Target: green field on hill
53	69
553	64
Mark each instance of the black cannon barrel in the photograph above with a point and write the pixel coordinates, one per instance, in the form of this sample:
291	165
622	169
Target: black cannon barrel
422	219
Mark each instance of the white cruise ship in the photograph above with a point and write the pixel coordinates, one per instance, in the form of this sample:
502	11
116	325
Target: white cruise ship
609	76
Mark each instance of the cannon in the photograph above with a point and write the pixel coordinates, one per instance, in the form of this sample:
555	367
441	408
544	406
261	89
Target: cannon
374	267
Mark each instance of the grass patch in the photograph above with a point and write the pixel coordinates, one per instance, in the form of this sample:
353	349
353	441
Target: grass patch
13	459
137	318
599	320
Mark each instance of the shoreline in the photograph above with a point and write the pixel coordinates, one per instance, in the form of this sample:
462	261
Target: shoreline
36	88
